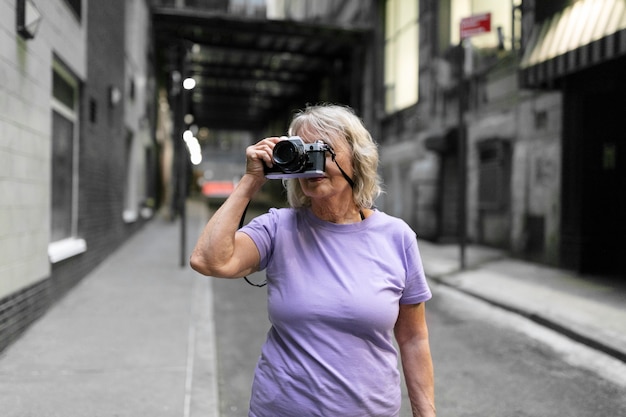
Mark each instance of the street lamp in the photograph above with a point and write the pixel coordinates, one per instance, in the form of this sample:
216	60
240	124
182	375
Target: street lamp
189	83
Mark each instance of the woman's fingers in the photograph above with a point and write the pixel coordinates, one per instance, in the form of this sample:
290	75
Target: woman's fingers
260	154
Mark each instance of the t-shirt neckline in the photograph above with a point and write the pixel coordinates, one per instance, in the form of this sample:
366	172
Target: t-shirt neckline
339	227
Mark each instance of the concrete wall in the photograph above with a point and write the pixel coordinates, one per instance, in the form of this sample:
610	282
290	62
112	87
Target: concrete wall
25	154
537	175
348	12
410	183
139	110
25	137
113	152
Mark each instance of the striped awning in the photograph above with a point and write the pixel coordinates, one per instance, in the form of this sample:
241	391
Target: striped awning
586	33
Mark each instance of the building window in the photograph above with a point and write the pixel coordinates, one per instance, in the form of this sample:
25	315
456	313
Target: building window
62	176
131	190
401	54
494	174
64	171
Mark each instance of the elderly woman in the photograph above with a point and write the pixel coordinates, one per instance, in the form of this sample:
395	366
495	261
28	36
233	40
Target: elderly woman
343	278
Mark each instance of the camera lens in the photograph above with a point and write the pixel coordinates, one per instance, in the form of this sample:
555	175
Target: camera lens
285	152
288	156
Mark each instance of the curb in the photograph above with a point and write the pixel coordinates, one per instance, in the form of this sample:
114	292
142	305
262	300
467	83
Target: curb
536	318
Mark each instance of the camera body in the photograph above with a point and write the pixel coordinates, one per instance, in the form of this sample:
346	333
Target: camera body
292	158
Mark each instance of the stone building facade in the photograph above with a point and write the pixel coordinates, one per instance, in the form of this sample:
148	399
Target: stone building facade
534	145
76	147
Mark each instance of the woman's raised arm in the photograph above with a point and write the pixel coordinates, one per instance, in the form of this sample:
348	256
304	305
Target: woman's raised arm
222	251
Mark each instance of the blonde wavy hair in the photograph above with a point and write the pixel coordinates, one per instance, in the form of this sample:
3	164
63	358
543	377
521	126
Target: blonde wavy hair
339	123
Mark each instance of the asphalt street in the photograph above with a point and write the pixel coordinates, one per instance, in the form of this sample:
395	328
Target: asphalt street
488	361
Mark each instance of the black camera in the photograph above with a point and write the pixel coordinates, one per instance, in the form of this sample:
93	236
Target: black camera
292	158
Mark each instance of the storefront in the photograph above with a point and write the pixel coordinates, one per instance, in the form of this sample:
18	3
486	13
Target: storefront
581	51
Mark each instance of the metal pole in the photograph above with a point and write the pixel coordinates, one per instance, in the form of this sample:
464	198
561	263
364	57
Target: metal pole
183	157
183	206
462	158
183	163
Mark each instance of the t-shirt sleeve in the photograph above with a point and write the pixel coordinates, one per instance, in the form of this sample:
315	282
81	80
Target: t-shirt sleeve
416	289
262	230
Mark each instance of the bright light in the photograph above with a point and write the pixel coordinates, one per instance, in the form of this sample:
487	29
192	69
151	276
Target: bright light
187	135
196	158
194	148
189	83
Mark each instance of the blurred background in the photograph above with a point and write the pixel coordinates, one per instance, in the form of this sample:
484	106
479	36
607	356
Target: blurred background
499	122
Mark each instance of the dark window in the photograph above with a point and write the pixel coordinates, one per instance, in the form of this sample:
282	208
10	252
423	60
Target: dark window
63	91
131	89
62	176
494	174
93	110
64	143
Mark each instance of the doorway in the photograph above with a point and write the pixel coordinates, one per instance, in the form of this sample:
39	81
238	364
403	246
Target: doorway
594	174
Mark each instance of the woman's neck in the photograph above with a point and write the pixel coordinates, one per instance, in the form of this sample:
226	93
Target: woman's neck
340	213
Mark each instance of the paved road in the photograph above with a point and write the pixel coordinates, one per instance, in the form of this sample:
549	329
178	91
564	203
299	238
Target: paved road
488	362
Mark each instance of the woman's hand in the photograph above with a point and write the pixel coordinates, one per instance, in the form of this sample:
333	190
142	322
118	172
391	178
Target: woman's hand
260	154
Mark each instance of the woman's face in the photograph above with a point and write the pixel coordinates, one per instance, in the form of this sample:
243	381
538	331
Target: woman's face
332	184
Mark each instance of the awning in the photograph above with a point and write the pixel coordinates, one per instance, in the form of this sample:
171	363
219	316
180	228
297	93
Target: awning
250	71
587	33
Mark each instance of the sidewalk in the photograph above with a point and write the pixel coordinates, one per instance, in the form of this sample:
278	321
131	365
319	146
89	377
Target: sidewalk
136	337
589	310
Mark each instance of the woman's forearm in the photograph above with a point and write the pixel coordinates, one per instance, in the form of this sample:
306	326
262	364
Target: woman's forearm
216	246
419	376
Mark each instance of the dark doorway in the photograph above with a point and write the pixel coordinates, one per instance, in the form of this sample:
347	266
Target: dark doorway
445	144
594	173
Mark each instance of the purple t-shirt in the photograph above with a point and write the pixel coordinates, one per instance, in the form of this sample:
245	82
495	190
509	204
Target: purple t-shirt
334	292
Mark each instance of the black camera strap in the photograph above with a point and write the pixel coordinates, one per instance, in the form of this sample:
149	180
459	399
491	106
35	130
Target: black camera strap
334	158
243	217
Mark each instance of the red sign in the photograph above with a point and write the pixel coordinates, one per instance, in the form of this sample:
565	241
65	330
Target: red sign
217	189
475	25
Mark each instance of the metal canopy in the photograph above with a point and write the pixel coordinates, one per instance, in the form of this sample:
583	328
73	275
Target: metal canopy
588	33
250	72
